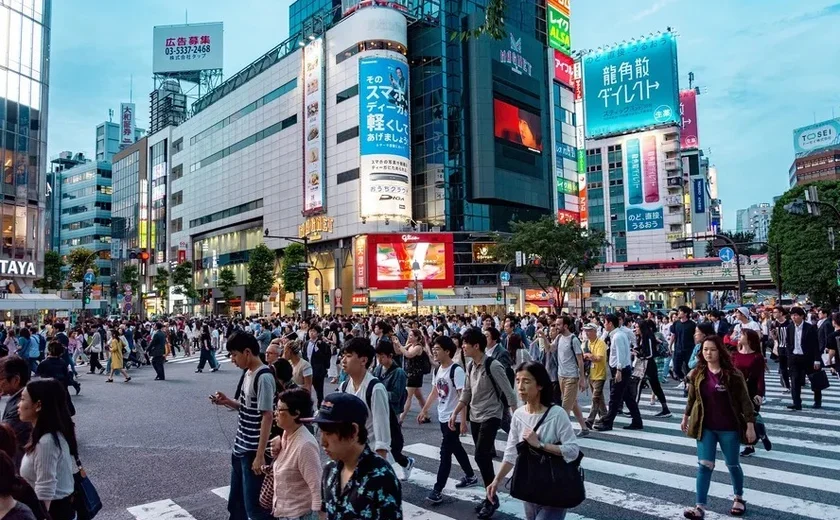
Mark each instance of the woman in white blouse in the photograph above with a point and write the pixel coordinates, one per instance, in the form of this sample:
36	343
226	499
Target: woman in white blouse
49	459
555	435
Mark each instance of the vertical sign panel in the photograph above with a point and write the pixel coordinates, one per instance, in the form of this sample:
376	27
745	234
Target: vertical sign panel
635	194
699	196
559	29
359	262
644	209
314	184
126	124
564	67
385	165
580	141
688	112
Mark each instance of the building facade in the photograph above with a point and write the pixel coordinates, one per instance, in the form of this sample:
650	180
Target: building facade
755	220
24	80
108	140
821	165
129	211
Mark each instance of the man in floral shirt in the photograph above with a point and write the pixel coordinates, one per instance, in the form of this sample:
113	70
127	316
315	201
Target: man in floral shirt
357	483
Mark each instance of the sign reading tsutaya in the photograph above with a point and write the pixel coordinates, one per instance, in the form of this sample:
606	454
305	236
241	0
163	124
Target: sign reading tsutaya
513	57
17	268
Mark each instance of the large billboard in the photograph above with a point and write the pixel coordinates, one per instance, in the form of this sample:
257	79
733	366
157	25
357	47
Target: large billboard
559	29
392	259
631	86
126	124
812	138
187	48
314	184
564	69
385	147
688	114
517	125
642	186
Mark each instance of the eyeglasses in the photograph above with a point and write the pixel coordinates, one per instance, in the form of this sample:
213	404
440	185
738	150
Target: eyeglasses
282	409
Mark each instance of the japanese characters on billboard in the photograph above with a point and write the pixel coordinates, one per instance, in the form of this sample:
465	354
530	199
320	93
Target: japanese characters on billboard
631	86
385	163
360	274
812	138
517	125
564	6
188	47
559	29
395	259
313	128
580	142
126	124
699	195
564	69
688	115
642	185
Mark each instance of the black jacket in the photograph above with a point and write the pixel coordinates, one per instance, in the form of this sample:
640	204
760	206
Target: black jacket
810	342
158	344
724	327
822	333
320	356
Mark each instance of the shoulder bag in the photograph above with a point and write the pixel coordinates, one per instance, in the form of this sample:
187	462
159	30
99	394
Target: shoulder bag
86	500
546	479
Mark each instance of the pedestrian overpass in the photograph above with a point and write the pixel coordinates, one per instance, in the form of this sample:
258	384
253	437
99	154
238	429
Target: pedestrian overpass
720	277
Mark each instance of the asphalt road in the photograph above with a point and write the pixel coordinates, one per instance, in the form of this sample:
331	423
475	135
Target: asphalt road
160	450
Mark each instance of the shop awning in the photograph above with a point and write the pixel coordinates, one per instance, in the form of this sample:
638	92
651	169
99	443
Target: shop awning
40	302
465	302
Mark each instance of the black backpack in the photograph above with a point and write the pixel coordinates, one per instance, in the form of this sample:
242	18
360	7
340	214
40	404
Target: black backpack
262	370
506	417
392	416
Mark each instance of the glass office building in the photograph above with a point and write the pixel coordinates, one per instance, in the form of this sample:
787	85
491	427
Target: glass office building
24	79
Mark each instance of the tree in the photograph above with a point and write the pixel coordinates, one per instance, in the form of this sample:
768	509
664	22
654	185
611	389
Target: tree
131	276
52	272
493	26
294	278
809	265
226	283
555	252
293	305
743	242
161	284
182	280
260	272
80	260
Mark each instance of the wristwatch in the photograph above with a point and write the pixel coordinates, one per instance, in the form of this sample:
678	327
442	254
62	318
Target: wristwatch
542	445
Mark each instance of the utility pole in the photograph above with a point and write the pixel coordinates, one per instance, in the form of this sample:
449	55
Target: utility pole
305	242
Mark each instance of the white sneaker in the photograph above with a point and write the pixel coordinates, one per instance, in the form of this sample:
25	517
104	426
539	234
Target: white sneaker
407	469
681	386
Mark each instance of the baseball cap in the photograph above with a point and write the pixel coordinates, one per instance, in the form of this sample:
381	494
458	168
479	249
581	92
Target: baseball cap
590	326
744	311
340	407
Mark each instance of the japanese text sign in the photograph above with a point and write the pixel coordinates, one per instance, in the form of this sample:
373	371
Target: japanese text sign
189	47
688	114
313	128
126	123
644	211
559	29
564	68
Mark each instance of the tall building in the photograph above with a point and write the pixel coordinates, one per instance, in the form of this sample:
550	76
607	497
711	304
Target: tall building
108	140
52	227
756	220
24	79
129	210
816	153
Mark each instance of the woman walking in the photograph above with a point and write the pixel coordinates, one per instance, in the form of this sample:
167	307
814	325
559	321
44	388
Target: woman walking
96	342
301	369
718	411
749	359
116	359
206	351
555	435
413	353
646	333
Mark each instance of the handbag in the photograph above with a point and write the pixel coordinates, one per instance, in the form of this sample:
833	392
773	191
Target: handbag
639	368
546	479
267	489
86	500
819	380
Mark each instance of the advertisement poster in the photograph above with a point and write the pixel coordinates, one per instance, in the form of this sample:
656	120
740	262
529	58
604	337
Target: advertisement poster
559	29
644	209
580	142
564	67
565	6
393	258
360	262
313	128
517	125
812	138
699	194
187	48
126	124
631	86
688	114
385	150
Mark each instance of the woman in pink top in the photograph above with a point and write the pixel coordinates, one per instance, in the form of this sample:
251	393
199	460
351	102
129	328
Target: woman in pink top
297	461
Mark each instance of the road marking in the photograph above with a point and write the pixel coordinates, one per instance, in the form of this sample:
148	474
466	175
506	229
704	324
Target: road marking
160	510
222	492
410	511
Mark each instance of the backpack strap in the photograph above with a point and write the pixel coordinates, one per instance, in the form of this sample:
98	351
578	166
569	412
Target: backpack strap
452	374
544	415
499	395
369	391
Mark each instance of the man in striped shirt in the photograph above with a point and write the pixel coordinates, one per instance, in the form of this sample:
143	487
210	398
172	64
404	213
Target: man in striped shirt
255	403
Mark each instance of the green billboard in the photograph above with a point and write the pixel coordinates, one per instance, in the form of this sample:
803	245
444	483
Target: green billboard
559	35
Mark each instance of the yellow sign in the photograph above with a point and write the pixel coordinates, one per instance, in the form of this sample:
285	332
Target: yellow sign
314	226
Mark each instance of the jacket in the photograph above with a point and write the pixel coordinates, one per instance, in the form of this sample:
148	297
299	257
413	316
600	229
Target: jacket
810	342
158	345
395	380
321	355
739	399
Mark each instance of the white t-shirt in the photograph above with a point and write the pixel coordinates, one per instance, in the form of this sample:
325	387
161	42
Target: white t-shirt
447	396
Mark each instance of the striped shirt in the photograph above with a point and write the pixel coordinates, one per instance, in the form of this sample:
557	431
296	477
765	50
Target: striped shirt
251	407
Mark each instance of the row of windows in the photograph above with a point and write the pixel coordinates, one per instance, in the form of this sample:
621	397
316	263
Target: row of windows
369	46
177	198
87	223
271	96
248	141
349	175
81	209
106	190
347	93
177	225
177	172
230	212
79	177
90	239
346	135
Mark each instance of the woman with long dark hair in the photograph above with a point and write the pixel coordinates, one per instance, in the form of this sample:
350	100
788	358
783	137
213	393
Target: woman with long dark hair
718	411
49	459
412	353
517	350
205	342
646	352
555	435
749	359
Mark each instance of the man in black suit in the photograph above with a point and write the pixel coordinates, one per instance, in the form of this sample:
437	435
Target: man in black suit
824	327
719	323
317	351
804	356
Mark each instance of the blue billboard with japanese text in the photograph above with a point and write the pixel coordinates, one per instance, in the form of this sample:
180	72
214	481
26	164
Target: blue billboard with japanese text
631	86
384	144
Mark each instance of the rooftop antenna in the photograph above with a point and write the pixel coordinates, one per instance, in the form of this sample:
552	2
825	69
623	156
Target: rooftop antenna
110	115
186	20
690	80
131	89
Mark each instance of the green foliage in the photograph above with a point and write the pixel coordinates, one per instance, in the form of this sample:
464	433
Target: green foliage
161	284
260	272
556	252
294	279
226	283
808	263
182	280
131	276
52	272
743	242
80	260
493	26
293	305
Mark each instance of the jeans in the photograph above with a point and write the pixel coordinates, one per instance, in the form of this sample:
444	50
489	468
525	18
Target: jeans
538	512
730	445
33	364
244	498
157	364
206	356
620	393
319	374
484	437
450	445
680	361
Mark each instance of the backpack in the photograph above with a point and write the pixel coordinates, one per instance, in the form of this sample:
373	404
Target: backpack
392	416
451	374
661	348
263	370
499	395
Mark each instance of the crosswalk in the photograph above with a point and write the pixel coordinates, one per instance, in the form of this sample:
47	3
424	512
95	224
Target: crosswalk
636	475
181	359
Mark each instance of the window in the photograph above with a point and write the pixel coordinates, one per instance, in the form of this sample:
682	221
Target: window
346	94
177	225
230	212
177	145
248	141
177	172
346	135
368	46
177	198
347	176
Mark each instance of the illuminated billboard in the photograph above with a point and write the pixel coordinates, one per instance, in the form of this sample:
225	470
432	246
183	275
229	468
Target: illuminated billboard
187	48
391	259
688	115
559	29
631	86
313	128
812	138
385	148
517	125
643	187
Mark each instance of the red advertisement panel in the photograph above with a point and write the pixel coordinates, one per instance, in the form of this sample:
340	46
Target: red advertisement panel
564	69
360	274
650	168
182	256
564	6
565	215
688	111
517	125
392	259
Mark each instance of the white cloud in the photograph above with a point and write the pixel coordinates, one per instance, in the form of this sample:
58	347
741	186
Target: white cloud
653	9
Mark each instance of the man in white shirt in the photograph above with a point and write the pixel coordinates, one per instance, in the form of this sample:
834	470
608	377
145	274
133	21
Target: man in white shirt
358	356
621	370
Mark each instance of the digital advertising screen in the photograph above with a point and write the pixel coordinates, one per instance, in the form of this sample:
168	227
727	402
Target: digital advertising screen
392	259
517	125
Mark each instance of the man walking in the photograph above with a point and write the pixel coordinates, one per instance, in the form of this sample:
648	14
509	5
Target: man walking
784	345
157	351
597	355
804	356
621	373
570	371
682	343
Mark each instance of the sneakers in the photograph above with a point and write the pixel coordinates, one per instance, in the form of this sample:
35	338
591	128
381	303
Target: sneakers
488	509
664	414
632	426
407	469
435	497
583	433
588	424
681	386
466	482
748	451
767	444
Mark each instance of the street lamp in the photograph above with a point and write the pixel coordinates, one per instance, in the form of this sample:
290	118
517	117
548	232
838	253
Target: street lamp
206	296
415	267
305	242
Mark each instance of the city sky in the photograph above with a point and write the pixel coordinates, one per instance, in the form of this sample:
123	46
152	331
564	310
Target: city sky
764	67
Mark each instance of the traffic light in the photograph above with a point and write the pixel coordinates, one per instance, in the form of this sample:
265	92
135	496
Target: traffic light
498	296
86	290
143	255
326	297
